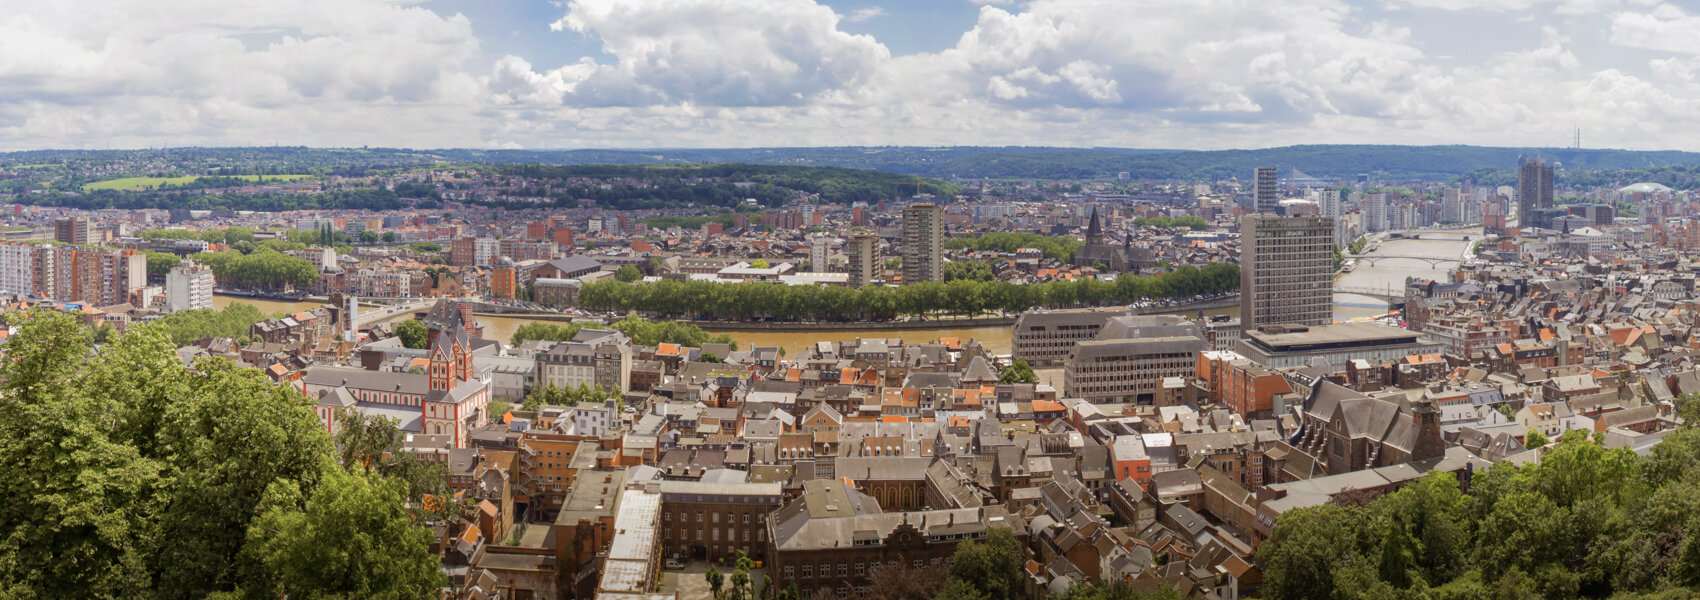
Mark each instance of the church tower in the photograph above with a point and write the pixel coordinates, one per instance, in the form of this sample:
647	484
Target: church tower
1094	230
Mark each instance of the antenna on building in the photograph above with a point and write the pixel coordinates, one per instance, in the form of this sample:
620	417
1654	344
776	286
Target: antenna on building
1578	141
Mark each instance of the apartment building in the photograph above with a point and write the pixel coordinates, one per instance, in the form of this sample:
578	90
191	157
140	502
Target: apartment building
862	252
189	286
75	231
17	268
923	243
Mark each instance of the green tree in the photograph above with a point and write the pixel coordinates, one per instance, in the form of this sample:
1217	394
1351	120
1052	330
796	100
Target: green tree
389	237
413	334
992	566
160	263
715	581
1018	372
350	536
1300	558
81	520
369	237
1534	439
760	263
628	274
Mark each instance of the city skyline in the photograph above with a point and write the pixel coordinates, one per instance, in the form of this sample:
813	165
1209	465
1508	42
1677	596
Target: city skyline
696	73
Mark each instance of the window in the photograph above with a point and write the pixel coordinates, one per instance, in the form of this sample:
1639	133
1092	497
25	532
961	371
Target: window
808	571
789	574
843	569
861	568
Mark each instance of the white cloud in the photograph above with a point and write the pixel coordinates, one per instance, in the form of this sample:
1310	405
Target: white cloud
1174	73
1666	28
865	14
754	53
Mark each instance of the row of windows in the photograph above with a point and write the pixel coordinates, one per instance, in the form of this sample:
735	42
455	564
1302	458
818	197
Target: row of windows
843	569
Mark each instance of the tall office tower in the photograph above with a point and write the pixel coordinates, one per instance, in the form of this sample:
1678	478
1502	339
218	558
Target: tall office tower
189	286
1534	188
1375	212
1286	270
1266	197
923	243
73	230
1452	205
863	253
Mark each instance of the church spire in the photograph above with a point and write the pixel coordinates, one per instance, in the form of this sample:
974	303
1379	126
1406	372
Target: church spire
1094	229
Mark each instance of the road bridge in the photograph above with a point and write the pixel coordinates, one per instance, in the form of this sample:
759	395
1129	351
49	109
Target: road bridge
1434	262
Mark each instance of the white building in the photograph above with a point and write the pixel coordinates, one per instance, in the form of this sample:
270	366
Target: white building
820	252
594	419
17	268
189	286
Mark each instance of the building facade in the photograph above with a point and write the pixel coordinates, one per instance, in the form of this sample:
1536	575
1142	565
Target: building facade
189	286
862	254
1534	188
923	243
1286	270
1265	190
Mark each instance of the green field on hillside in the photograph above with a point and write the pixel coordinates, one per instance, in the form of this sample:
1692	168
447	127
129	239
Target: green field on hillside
136	183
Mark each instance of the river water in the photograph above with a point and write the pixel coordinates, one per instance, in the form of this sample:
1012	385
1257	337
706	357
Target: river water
1387	274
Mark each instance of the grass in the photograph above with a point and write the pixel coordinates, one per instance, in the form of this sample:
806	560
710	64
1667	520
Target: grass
136	183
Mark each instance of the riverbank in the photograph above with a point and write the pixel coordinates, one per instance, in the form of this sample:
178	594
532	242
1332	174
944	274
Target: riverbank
852	325
1229	301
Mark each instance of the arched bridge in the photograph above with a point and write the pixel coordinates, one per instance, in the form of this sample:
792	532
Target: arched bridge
1433	262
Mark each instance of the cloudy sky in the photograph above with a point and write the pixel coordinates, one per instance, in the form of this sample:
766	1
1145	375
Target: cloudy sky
731	73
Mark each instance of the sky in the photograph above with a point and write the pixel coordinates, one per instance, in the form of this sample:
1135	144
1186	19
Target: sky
1196	74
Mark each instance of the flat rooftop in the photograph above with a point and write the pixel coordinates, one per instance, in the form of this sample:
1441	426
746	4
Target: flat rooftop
1331	337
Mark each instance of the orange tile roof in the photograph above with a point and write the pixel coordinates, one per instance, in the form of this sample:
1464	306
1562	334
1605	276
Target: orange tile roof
665	349
1047	406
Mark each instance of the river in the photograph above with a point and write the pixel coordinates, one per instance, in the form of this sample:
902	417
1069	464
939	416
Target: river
997	339
1389	274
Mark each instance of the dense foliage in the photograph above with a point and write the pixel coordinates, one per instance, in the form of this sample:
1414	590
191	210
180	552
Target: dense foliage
747	301
213	236
1193	223
972	270
413	334
642	332
373	198
1060	248
1018	372
184	327
552	395
693	222
1584	522
264	269
772	184
128	475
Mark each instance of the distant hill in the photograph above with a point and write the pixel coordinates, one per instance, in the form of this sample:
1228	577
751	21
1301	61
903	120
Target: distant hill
1382	163
1326	161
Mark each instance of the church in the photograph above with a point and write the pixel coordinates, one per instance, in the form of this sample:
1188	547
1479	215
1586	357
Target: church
1108	257
448	399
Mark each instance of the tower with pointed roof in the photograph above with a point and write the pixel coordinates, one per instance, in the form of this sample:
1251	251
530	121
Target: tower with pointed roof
1094	230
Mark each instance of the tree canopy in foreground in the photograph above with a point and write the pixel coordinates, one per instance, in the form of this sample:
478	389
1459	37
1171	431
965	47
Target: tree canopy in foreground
128	475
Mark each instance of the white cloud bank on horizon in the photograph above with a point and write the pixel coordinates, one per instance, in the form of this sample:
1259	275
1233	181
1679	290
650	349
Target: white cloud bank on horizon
714	73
